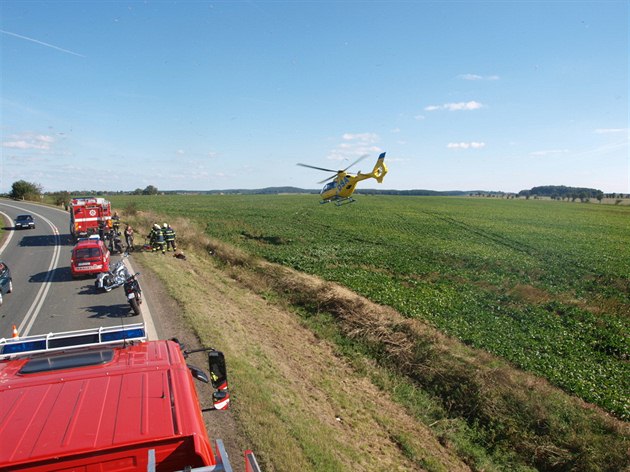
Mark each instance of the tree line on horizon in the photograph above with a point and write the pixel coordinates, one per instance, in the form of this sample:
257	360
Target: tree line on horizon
23	190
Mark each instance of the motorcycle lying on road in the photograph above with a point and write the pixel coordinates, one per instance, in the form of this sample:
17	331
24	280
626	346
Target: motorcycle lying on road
133	292
116	276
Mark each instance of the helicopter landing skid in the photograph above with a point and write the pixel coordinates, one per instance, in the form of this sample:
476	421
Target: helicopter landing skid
339	201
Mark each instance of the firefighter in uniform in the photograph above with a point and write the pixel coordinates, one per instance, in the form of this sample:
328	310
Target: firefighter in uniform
116	222
156	238
169	237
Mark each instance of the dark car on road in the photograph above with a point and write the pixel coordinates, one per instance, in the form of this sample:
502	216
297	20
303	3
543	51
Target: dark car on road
6	283
24	222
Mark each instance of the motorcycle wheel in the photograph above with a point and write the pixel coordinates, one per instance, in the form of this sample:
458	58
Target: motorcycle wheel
135	306
107	284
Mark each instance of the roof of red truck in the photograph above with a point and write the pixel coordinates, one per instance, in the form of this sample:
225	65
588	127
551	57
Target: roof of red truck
111	397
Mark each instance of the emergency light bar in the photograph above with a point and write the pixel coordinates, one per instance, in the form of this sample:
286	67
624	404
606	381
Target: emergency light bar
88	201
14	347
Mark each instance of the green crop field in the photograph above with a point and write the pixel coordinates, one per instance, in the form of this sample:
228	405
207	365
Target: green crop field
544	284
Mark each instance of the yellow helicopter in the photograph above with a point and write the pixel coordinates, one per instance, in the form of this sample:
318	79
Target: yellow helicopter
342	185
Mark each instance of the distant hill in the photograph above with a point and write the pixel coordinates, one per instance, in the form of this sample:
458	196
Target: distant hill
417	192
547	191
259	191
296	190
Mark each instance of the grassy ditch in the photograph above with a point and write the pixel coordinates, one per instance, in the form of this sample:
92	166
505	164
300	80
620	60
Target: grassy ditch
441	405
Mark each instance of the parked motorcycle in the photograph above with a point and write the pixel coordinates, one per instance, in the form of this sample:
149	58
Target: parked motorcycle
116	276
133	292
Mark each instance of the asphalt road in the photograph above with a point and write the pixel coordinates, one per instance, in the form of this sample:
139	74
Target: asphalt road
45	297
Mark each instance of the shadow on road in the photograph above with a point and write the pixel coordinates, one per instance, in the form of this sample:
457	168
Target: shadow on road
40	240
121	310
60	274
44	240
89	289
66	240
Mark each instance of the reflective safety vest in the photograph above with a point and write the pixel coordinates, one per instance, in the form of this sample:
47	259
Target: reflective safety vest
169	234
155	236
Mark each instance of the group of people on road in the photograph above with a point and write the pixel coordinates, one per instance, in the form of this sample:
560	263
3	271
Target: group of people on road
162	239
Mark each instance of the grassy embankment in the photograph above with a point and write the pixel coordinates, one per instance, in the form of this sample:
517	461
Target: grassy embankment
491	415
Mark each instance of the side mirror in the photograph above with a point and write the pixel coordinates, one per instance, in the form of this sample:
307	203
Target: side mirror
221	400
218	370
198	374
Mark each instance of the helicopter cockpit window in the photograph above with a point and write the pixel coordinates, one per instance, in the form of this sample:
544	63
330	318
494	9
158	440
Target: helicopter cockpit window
329	186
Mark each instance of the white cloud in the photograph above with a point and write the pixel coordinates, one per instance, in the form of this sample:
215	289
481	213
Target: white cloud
611	130
471	105
29	141
548	152
354	145
361	137
470	145
478	77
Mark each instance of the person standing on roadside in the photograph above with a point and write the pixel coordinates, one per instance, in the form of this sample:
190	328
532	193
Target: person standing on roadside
169	237
129	237
116	222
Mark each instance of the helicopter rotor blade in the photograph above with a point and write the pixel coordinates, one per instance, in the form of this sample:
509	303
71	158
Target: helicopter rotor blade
329	178
356	162
314	167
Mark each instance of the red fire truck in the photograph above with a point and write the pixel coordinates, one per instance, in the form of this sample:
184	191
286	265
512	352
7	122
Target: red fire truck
88	214
107	399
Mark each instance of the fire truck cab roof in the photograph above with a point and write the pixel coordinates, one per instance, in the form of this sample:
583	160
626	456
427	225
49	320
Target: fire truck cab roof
102	406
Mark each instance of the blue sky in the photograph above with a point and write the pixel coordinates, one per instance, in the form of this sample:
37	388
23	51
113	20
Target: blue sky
500	95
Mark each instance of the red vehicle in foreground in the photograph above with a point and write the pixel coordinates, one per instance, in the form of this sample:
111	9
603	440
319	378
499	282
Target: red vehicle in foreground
106	400
89	256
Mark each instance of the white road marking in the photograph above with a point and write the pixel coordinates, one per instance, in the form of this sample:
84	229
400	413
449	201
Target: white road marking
43	291
38	302
6	241
144	310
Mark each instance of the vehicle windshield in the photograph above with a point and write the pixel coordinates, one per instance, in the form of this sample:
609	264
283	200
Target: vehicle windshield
87	252
24	218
